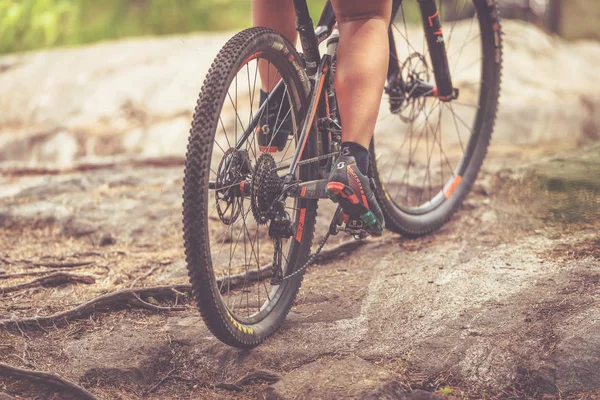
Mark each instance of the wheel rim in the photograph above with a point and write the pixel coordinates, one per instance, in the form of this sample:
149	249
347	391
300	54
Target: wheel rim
241	249
423	151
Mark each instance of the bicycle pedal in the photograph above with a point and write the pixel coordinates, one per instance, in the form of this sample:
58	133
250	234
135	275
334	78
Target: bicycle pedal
358	234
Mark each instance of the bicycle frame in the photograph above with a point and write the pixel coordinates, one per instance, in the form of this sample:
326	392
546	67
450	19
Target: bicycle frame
318	69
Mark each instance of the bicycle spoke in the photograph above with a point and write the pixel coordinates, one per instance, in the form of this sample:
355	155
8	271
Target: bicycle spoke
225	132
464	44
416	167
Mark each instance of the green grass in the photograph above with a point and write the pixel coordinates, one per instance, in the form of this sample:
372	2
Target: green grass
445	391
34	24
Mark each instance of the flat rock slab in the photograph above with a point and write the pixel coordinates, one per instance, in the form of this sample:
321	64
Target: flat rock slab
341	378
124	354
187	330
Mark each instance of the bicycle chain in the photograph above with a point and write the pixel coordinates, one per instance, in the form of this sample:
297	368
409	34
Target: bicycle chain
313	257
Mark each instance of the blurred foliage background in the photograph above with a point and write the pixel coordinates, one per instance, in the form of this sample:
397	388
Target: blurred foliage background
32	24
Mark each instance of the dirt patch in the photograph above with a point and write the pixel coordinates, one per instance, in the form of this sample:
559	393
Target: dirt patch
589	247
342	377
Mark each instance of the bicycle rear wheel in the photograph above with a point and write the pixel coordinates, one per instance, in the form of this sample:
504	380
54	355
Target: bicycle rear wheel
426	153
228	249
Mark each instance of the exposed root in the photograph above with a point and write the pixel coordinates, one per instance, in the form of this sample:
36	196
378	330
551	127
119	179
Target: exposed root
57	278
160	382
237	280
344	247
22	274
62	265
256	377
110	301
19	169
144	304
147	274
5	260
249	379
133	297
47	378
266	271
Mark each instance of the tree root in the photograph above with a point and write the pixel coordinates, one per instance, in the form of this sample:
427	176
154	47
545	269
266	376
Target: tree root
62	265
256	377
344	247
266	271
147	274
47	378
133	297
22	274
109	301
19	169
54	279
249	379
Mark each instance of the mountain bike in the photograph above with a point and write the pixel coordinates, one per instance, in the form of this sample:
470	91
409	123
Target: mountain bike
249	210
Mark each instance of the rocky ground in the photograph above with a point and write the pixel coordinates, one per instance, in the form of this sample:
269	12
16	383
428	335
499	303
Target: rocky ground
502	302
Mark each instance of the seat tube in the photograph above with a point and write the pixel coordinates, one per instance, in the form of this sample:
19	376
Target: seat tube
437	48
308	39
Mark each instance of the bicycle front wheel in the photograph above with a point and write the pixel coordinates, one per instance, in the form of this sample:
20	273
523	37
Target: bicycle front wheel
426	152
228	183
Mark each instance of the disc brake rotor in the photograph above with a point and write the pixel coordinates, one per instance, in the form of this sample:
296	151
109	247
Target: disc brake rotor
231	171
402	103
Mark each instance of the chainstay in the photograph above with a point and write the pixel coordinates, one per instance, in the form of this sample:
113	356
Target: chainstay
308	161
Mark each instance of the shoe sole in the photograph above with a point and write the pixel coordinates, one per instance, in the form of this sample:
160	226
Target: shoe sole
345	196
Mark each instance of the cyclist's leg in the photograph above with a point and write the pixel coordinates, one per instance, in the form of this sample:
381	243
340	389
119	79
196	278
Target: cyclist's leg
274	128
278	15
362	62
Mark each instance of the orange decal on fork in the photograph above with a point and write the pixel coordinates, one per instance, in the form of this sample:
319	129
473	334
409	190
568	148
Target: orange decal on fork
432	17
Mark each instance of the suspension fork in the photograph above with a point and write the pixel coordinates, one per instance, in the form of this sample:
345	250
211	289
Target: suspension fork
437	49
393	62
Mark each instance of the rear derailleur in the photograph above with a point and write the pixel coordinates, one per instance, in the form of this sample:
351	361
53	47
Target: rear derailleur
281	227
